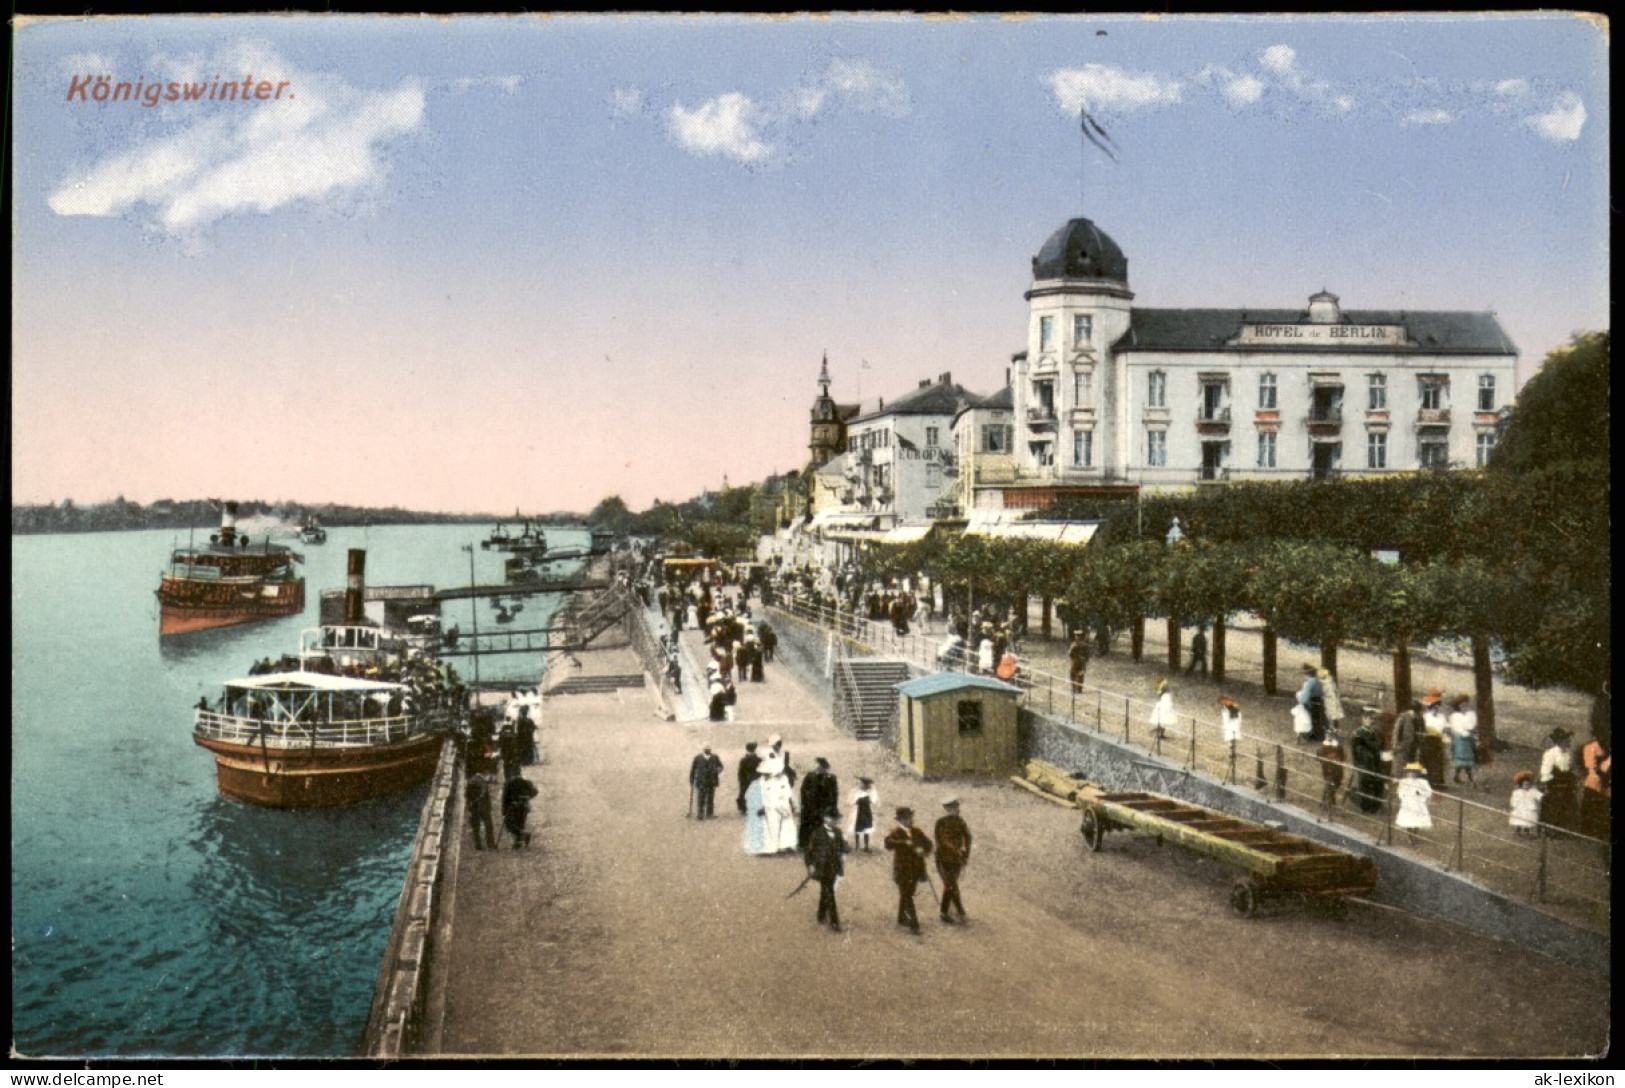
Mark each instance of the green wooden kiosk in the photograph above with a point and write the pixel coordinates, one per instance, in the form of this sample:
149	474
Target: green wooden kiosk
954	723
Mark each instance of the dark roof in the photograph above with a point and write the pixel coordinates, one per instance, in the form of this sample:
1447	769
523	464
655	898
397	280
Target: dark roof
937	399
1080	250
1434	332
847	412
1004	398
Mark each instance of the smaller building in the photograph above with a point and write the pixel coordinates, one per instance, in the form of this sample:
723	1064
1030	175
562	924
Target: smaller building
954	723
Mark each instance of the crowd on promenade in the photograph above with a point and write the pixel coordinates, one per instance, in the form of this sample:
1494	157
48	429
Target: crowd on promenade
816	829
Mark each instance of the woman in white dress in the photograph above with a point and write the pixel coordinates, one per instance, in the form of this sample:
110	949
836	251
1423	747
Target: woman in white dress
1414	794
1162	714
1332	701
778	804
755	818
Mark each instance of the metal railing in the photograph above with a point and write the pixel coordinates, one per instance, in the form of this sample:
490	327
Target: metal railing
346	733
1553	865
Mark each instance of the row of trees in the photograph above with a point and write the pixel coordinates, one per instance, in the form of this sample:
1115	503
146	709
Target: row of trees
121	514
1516	556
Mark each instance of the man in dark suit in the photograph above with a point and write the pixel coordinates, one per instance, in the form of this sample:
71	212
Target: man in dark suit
953	851
825	848
910	847
747	772
704	775
820	793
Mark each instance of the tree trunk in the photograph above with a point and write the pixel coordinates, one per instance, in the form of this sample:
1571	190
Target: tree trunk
1269	660
1402	676
1103	640
1174	633
1218	649
1328	655
1136	638
1044	623
1484	687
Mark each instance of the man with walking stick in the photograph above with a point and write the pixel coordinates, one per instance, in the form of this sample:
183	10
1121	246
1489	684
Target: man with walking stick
910	847
825	847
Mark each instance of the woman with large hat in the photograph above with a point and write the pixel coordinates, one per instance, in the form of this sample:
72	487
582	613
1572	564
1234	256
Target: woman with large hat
1557	781
1430	748
1414	793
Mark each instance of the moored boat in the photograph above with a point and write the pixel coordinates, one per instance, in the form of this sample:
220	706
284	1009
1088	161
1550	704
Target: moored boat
228	581
362	712
311	532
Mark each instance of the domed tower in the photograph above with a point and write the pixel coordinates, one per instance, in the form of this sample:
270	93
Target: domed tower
1063	385
828	429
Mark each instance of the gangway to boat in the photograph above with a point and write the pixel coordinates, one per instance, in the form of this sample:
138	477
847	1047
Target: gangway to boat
519	589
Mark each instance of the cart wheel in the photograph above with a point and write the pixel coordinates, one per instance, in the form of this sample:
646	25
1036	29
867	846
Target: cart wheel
1244	898
1094	832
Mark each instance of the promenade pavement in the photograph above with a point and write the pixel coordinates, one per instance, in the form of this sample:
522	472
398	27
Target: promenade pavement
629	929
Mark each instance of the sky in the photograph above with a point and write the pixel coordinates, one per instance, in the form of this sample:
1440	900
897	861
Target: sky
482	264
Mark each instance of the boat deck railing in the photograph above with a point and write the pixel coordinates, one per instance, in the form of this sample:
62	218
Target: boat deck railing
346	733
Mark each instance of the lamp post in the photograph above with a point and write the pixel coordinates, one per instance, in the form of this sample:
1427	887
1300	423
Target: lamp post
474	610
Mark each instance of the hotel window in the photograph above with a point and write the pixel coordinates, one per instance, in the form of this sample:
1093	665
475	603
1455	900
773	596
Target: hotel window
1215	395
1376	393
1043	453
1376	449
1433	452
1431	388
1486	394
1156	389
1082	388
1083	328
1266	449
1486	444
1044	394
1083	449
930	436
1046	333
995	438
1266	392
1156	449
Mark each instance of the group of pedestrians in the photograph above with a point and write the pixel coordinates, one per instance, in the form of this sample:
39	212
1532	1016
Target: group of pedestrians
486	753
776	824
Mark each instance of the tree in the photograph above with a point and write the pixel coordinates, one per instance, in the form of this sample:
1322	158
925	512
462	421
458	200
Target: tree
1562	413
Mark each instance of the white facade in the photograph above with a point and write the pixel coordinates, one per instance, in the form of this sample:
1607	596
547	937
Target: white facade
1108	394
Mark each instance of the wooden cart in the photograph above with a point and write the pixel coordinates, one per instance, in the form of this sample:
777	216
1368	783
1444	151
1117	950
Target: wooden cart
1276	864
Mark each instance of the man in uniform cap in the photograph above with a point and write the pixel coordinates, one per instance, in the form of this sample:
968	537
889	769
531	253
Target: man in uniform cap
910	847
825	848
953	852
820	793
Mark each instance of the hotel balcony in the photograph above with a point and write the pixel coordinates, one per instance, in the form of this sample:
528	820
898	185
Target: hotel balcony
1433	417
1214	422
1041	419
1325	424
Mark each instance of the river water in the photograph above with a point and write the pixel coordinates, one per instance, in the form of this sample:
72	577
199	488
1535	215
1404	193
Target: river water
151	917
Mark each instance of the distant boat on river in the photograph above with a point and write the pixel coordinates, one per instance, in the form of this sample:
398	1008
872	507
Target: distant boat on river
228	581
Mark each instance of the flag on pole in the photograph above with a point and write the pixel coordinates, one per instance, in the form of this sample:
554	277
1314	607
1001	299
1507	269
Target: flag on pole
1095	134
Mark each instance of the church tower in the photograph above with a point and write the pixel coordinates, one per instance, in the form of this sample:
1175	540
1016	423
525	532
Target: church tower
828	438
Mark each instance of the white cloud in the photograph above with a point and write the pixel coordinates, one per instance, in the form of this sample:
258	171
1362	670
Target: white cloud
726	125
1429	117
1342	103
1278	58
1512	88
506	84
324	142
1244	90
1563	121
1098	86
738	127
866	89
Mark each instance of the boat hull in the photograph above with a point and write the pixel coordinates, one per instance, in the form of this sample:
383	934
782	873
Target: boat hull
321	777
178	617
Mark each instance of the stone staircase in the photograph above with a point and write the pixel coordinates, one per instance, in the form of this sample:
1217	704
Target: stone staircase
865	701
596	685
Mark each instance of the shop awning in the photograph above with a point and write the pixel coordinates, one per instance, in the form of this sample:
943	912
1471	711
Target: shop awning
906	534
1056	532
